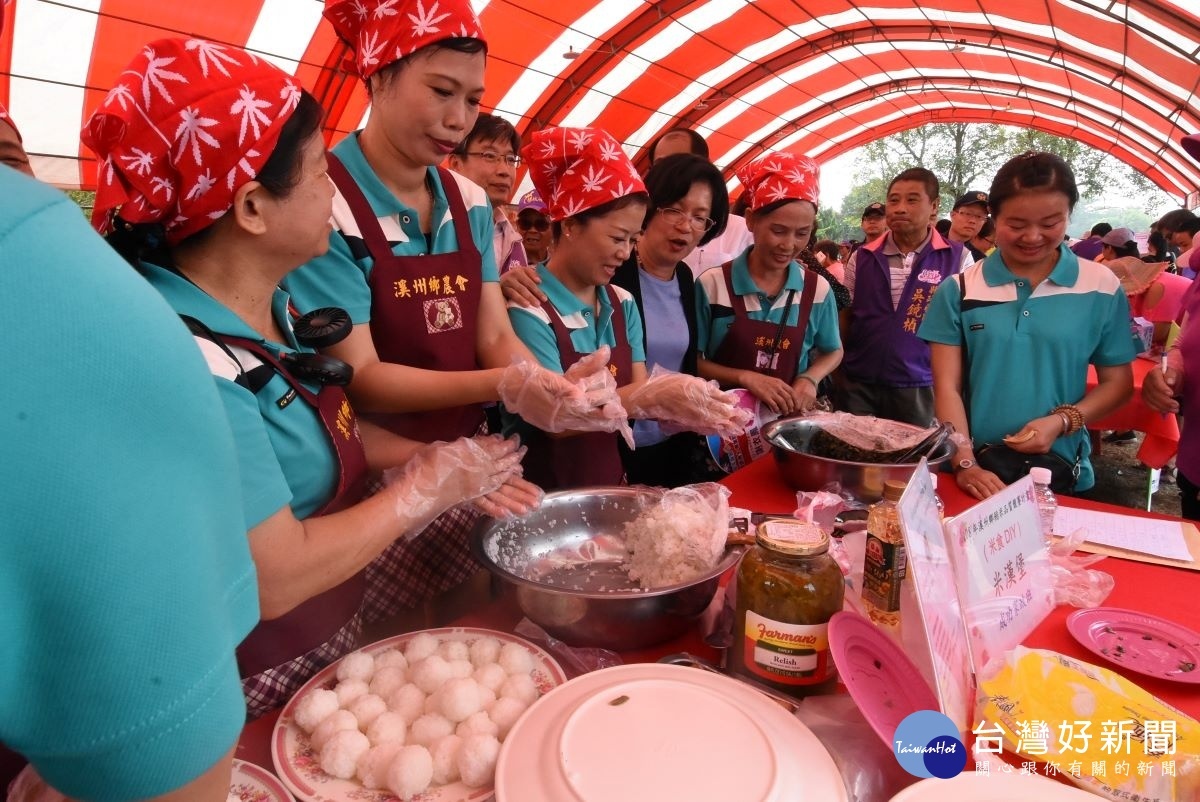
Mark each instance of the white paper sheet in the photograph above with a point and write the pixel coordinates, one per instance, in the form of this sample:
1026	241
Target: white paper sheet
1145	535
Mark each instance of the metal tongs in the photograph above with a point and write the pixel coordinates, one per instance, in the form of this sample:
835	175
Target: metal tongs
692	661
929	445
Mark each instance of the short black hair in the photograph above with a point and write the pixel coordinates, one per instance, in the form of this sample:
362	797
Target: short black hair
922	176
1032	172
671	177
1179	220
827	247
943	226
490	128
1100	229
699	145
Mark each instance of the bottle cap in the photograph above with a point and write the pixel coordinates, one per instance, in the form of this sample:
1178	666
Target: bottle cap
893	489
792	537
1040	476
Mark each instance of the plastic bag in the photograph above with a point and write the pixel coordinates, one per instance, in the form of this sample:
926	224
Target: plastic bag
1074	582
678	537
820	508
575	660
1038	687
869	770
861	438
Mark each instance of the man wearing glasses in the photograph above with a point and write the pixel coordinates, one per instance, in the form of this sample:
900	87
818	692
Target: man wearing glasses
966	220
488	156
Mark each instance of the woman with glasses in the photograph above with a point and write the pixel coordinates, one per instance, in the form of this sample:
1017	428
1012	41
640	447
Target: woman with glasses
687	199
763	322
412	260
534	225
598	205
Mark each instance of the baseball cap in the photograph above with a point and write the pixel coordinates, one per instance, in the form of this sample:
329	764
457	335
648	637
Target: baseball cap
974	196
531	200
1117	237
873	210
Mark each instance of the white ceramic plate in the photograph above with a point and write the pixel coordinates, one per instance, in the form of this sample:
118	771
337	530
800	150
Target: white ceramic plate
299	767
251	783
998	787
662	732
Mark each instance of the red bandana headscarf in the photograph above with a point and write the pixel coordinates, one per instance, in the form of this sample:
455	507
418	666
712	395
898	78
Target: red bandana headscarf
576	169
384	31
780	176
189	123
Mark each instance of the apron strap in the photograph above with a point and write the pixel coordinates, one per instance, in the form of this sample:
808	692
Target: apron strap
360	208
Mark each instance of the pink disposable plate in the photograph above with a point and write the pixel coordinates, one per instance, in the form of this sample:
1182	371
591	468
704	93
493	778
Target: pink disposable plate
251	783
884	683
1139	642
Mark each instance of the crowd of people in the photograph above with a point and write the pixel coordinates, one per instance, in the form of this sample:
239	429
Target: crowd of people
310	372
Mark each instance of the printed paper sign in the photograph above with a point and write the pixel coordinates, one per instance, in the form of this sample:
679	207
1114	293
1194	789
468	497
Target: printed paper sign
1002	571
932	578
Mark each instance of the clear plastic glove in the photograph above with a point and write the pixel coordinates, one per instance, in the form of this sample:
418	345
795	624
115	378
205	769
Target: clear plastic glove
689	403
444	475
584	399
1074	582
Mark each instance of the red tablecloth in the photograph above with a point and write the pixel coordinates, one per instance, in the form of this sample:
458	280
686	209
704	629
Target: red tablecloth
1154	589
1162	431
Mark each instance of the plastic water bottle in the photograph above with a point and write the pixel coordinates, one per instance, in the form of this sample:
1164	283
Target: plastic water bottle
1046	501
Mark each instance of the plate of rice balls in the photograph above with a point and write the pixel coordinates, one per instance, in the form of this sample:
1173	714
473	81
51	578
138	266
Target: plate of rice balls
419	717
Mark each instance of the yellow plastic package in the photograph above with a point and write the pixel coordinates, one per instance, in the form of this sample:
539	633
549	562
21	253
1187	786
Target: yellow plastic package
1091	726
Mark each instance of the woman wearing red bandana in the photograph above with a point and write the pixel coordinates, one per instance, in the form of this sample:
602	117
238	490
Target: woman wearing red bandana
411	257
597	204
763	322
213	183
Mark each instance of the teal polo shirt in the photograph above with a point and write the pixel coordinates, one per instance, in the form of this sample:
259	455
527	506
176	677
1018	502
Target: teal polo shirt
284	453
339	278
714	309
1030	348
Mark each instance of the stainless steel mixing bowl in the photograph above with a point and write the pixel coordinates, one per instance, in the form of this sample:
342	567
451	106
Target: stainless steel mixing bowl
789	439
564	562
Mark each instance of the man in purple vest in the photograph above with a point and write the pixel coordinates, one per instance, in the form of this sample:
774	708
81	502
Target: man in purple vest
886	370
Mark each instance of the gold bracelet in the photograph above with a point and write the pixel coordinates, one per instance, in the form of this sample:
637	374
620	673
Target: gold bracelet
1074	416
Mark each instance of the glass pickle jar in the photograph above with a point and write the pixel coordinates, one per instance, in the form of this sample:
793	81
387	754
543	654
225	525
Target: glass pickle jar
788	587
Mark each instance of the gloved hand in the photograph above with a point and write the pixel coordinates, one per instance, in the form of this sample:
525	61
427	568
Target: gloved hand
443	475
688	403
584	399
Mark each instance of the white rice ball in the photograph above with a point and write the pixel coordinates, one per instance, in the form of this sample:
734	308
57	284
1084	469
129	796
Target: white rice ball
335	722
429	674
477	760
356	665
339	756
487	698
421	646
314	708
460	699
411	772
428	728
520	686
409	702
374	764
491	676
433	702
366	709
515	659
387	679
349	690
388	728
445	759
461	669
478	724
452	650
390	658
484	651
505	713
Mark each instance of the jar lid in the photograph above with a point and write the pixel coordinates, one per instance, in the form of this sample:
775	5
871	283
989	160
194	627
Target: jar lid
893	489
792	537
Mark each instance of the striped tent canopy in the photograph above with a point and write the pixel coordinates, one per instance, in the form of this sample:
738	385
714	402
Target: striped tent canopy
818	77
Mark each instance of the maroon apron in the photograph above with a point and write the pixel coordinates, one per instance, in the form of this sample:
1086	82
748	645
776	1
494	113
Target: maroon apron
588	458
318	619
424	308
773	349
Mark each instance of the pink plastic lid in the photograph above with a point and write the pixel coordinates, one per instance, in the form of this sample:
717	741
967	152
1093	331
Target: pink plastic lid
883	682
